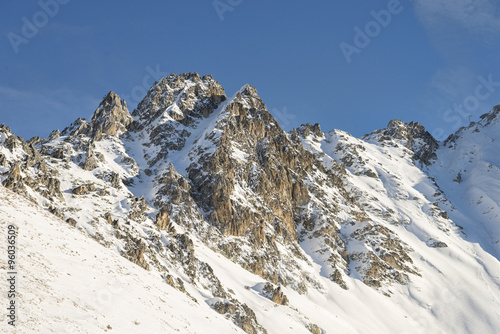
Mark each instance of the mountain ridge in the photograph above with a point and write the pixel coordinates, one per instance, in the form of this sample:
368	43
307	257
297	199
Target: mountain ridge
192	170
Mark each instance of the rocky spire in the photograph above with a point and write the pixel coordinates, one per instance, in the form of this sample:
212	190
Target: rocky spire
110	118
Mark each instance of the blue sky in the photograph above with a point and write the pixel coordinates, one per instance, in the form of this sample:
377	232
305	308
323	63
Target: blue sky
331	62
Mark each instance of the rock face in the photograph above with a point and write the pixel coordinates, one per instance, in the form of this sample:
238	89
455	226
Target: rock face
14	179
246	176
276	295
111	118
81	190
163	221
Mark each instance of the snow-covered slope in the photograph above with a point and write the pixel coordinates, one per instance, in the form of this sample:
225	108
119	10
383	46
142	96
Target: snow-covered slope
68	283
458	288
207	214
468	170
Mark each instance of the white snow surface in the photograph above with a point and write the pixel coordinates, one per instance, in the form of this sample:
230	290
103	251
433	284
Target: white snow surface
68	283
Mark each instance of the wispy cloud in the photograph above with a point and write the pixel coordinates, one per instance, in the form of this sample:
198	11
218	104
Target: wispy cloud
450	84
476	16
456	95
57	99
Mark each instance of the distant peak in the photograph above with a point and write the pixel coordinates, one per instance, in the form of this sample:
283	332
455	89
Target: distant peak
401	130
490	117
412	135
112	99
110	118
178	80
306	129
248	89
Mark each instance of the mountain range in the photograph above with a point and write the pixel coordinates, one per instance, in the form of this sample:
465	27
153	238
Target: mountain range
197	213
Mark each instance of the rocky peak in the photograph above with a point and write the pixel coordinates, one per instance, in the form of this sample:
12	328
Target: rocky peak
110	118
486	120
491	117
112	115
306	129
4	129
184	98
413	136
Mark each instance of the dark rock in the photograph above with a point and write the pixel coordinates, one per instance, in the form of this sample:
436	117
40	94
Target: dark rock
135	252
138	209
91	159
420	141
14	179
111	117
54	134
80	190
55	211
437	244
58	153
71	221
276	295
53	188
35	140
11	142
115	180
163	222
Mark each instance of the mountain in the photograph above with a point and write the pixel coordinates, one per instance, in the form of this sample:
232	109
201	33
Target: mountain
253	229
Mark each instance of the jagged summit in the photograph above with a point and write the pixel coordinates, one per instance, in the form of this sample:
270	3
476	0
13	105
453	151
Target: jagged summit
110	118
491	117
412	136
307	129
487	122
184	98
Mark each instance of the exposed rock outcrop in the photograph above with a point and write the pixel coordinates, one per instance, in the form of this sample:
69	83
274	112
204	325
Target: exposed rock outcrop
275	294
111	118
413	136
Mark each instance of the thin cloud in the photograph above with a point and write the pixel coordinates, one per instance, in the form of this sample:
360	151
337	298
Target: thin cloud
476	16
35	110
27	98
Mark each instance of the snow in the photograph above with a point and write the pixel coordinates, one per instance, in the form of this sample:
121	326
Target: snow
477	197
459	287
68	283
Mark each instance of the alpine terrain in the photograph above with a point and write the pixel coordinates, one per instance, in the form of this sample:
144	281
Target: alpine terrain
197	213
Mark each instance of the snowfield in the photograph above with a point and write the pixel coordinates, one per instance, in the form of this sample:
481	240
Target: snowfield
68	283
